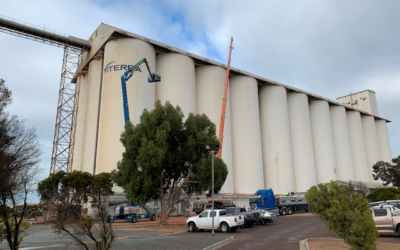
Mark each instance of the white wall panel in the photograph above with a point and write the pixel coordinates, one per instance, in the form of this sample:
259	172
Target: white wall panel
324	151
246	136
341	138
209	93
302	146
275	134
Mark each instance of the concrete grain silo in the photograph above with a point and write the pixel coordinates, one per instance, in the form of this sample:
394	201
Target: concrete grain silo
276	144
324	150
209	93
357	143
119	54
383	139
80	126
178	81
275	135
246	135
371	143
301	141
341	139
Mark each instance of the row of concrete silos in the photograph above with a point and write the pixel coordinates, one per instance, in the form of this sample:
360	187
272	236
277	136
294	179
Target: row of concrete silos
272	139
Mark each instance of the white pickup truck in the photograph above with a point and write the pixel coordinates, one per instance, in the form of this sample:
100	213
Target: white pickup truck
221	221
386	218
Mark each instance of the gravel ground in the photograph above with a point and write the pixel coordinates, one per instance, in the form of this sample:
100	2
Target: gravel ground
44	237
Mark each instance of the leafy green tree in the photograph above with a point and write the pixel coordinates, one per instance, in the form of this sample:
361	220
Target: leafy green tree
389	173
383	194
66	192
165	156
345	212
19	158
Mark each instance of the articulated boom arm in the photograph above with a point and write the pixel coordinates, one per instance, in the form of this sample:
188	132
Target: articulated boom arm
153	77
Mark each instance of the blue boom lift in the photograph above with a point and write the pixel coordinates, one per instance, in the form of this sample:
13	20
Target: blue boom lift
153	77
130	213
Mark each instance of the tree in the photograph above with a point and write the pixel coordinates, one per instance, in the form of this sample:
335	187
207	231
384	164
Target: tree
5	95
19	158
383	194
165	156
345	212
66	192
359	187
387	172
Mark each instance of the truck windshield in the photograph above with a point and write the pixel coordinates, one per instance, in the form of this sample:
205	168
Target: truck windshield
254	199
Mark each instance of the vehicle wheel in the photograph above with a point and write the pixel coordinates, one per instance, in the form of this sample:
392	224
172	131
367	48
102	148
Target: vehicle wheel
153	217
289	211
233	229
224	227
201	230
133	219
250	225
192	227
108	219
283	212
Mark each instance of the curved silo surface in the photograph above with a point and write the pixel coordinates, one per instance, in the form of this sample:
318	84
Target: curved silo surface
246	136
79	141
301	140
341	138
275	134
209	93
92	114
371	143
324	151
357	144
119	54
177	81
383	138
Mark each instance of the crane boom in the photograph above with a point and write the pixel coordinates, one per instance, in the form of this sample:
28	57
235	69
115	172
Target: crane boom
153	77
222	123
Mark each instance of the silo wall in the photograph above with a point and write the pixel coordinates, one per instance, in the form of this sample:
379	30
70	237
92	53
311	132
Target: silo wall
177	81
209	93
83	81
246	135
341	138
357	144
119	54
275	134
92	115
324	151
301	142
383	139
371	143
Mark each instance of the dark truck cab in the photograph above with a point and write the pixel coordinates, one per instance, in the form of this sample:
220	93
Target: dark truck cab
250	217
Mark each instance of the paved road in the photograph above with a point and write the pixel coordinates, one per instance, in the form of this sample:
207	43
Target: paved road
284	234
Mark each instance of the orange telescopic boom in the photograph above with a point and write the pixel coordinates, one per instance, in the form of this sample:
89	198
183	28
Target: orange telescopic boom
222	123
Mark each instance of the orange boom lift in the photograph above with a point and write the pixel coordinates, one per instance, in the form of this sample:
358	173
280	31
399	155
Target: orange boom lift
222	123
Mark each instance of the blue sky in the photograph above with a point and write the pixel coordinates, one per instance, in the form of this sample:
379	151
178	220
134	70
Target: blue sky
330	48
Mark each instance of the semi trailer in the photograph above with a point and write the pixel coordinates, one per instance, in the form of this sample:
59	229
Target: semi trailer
280	204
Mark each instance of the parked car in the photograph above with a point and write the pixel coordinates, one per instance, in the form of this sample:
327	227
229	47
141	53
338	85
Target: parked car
250	217
266	216
221	221
386	218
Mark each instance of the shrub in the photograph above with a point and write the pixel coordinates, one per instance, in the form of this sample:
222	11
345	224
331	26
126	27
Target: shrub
345	212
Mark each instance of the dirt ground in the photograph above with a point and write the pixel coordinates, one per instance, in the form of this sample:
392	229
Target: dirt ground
333	244
175	224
